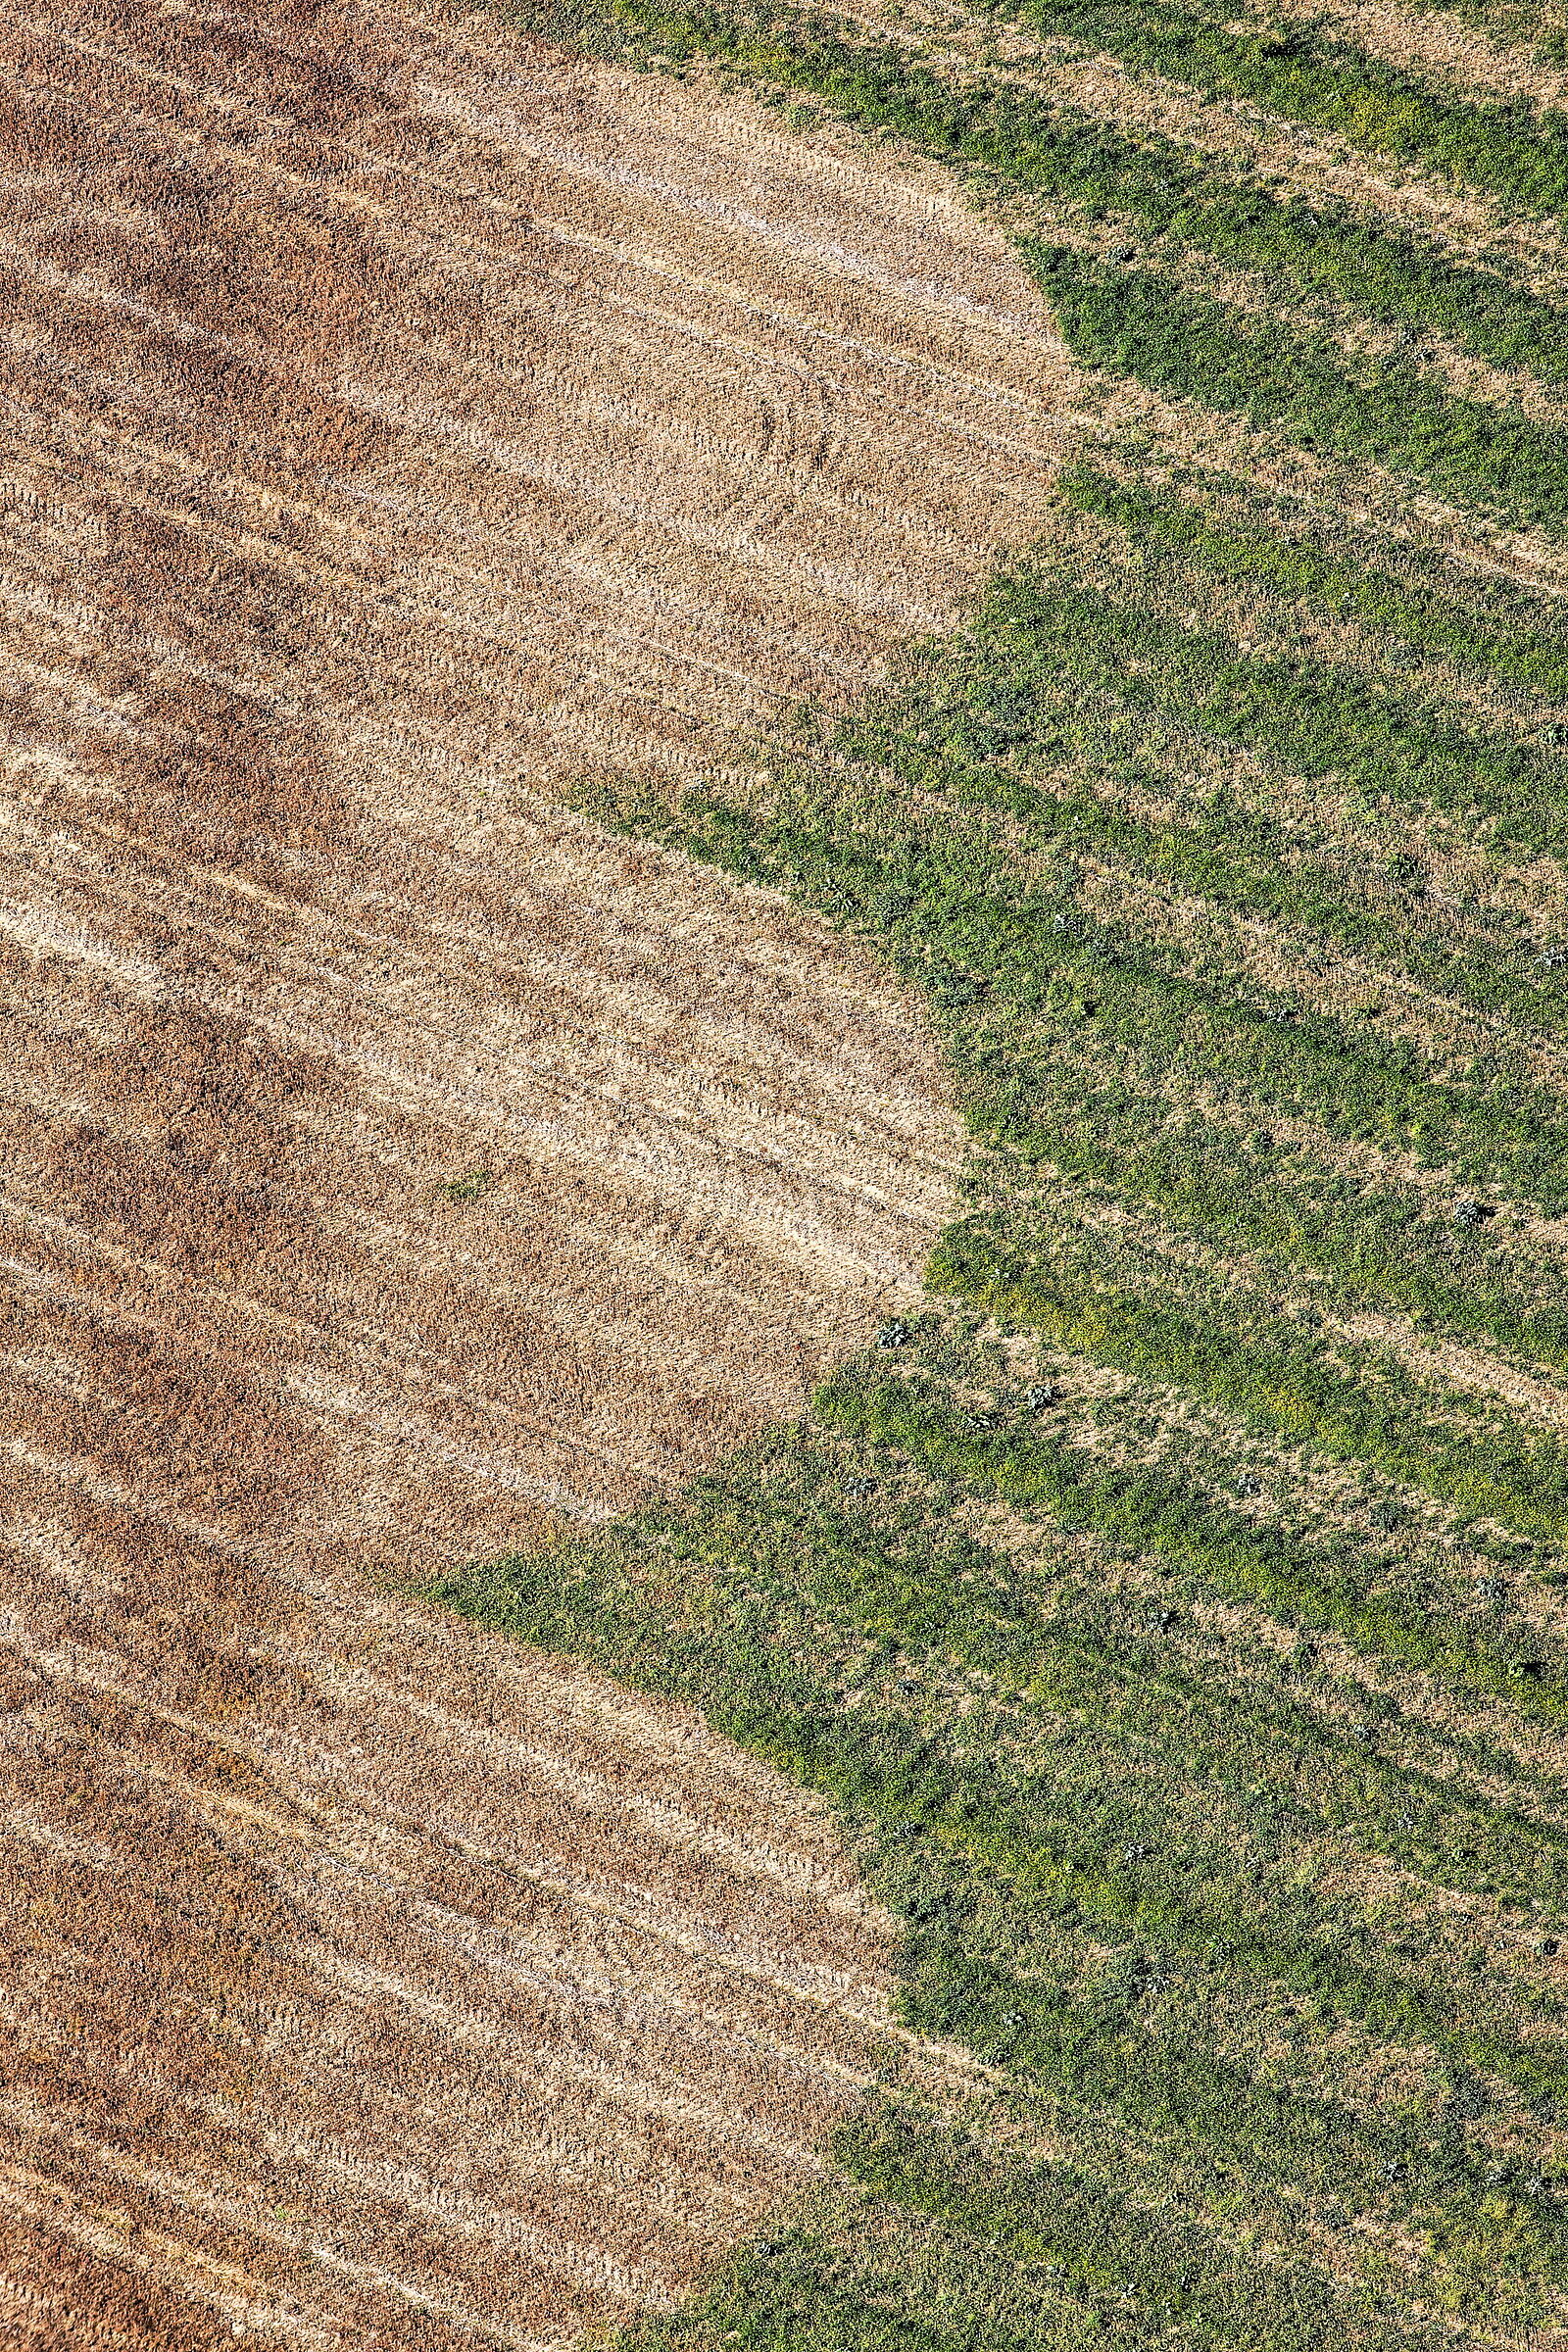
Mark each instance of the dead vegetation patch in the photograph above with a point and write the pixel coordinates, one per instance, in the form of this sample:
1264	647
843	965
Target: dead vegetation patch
402	418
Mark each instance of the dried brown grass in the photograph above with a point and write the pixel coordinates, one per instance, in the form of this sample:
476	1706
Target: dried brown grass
399	420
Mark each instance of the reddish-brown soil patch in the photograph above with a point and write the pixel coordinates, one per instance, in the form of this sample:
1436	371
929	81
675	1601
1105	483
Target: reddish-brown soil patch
399	418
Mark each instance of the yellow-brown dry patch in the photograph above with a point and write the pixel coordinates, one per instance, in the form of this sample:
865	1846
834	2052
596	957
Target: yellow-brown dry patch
399	420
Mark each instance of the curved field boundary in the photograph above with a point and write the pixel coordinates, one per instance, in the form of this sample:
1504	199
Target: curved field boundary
401	419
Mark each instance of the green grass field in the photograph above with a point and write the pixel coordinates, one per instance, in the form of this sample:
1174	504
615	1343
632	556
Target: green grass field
1177	1609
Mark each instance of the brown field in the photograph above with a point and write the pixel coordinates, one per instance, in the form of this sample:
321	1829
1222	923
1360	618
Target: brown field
400	421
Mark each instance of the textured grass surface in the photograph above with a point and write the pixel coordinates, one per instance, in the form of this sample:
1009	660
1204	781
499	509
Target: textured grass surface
374	1131
1177	1610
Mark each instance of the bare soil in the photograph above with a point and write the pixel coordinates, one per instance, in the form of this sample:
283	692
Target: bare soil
399	421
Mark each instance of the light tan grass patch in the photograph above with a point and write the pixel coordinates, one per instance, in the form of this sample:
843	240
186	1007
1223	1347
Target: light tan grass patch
403	419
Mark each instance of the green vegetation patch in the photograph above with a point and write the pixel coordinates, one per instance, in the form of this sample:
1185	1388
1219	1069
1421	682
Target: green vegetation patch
1118	1866
1172	1614
1501	632
1307	75
1169	1516
1193	347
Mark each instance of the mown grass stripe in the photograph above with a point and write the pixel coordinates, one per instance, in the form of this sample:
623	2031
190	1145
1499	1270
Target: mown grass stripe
1313	1775
1119	1677
1311	77
1019	955
743	1598
1475	634
1101	1112
1350	1402
1161	1514
1234	853
941	2170
1189	346
989	728
1249	1365
1051	631
1359	1085
1161	2271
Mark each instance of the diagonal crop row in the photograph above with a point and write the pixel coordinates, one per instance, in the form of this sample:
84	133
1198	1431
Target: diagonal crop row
1190	346
1505	635
1308	77
1283	374
1160	1513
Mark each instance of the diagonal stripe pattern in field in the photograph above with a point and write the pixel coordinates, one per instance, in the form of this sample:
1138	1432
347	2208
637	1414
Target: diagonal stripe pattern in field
400	421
